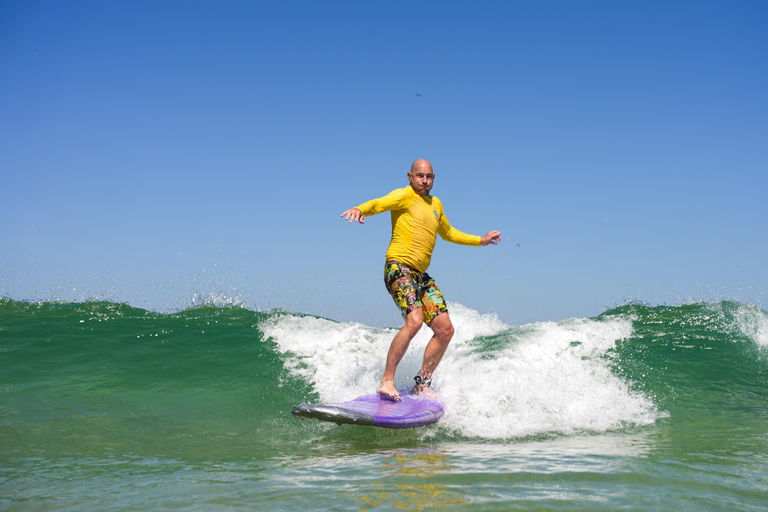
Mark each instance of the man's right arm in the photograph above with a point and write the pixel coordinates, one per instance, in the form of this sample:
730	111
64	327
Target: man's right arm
397	199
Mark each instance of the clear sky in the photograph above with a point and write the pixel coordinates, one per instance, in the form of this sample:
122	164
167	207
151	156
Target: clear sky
155	151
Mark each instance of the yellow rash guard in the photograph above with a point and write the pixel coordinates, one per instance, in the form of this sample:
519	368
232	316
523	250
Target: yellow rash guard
416	222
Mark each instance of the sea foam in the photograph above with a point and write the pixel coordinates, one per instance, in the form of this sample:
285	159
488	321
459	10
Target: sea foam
542	378
753	323
497	381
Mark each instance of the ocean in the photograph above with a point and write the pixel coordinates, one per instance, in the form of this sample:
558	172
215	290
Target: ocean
104	406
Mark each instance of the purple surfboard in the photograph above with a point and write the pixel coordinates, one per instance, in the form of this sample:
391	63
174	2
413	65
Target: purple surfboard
372	410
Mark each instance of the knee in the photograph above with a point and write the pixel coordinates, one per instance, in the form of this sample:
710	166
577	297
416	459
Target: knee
413	324
448	335
444	331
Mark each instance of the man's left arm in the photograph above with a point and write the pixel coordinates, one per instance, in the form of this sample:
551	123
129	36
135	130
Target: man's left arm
451	234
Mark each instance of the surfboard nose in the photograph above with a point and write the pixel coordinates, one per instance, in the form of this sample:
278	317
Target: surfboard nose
337	415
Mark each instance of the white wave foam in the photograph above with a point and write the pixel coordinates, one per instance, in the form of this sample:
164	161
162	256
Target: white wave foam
340	360
547	377
753	323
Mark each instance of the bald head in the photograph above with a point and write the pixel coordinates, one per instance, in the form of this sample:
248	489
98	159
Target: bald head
421	164
421	177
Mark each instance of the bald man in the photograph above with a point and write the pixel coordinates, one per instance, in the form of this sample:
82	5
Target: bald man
417	219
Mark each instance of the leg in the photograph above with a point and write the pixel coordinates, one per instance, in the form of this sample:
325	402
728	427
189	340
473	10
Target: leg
396	352
443	328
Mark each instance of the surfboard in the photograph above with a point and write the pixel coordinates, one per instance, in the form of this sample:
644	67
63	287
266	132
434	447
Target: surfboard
372	410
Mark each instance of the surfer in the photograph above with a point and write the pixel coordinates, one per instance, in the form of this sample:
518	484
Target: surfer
417	219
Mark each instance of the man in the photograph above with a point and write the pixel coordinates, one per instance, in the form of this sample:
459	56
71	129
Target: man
417	219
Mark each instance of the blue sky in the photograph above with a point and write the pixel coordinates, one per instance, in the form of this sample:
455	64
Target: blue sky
155	151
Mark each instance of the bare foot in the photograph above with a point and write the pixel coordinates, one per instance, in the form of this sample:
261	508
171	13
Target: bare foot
387	391
421	389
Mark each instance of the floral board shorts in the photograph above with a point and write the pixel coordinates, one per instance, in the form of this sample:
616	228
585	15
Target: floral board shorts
412	289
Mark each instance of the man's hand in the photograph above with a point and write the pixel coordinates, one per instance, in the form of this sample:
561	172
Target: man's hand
353	214
493	237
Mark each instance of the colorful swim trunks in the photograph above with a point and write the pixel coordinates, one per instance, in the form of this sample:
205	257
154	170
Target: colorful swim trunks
412	289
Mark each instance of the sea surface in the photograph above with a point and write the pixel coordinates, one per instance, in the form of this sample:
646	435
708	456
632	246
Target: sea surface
104	406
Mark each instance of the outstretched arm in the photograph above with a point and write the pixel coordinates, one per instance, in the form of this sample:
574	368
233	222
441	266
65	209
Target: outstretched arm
452	234
397	199
353	214
493	237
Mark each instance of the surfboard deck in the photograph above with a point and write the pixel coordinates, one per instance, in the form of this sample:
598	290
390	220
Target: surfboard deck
372	410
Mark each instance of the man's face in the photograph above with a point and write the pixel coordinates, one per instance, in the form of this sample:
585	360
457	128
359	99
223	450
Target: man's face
422	180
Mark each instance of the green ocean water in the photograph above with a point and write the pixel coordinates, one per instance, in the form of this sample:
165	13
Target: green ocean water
104	406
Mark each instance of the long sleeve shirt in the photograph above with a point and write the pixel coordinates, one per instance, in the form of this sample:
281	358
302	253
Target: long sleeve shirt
416	222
